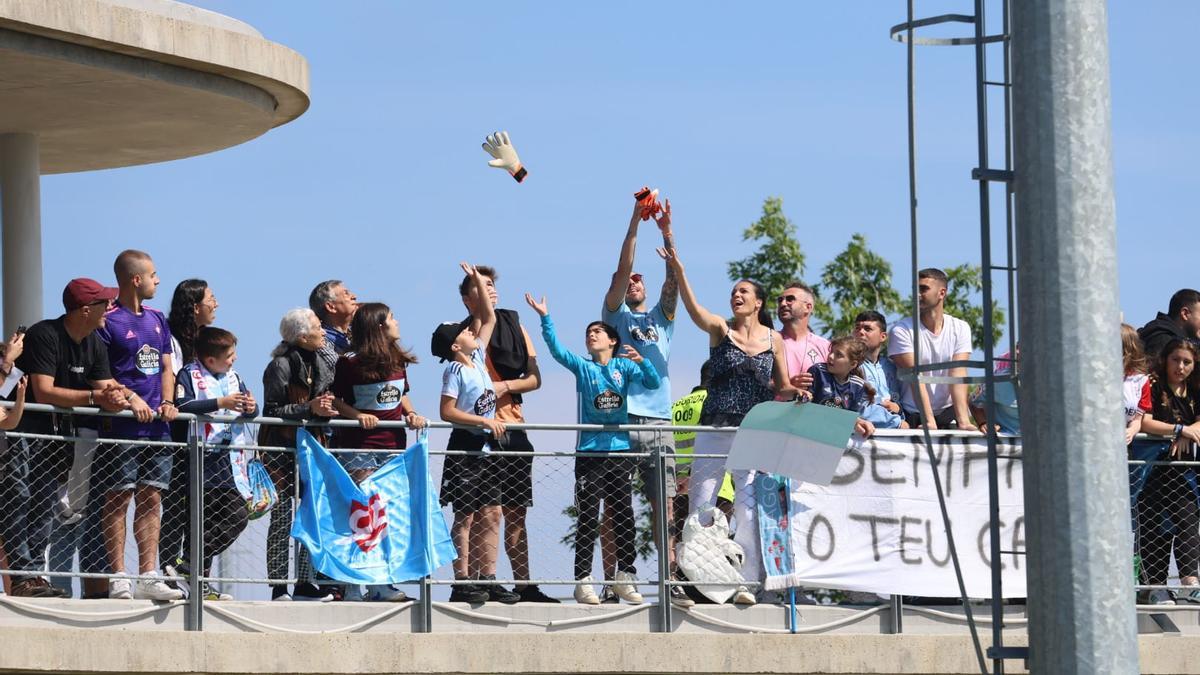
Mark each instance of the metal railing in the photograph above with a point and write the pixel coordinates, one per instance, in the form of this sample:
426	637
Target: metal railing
67	482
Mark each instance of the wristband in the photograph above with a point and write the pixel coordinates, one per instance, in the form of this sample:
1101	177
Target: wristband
1178	430
520	174
91	397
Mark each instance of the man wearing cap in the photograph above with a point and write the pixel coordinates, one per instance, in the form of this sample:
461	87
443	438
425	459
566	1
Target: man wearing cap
648	331
68	367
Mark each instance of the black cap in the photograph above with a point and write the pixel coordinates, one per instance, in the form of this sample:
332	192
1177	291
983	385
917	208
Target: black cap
444	337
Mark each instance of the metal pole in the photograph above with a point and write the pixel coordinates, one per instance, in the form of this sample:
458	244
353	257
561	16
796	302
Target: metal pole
21	219
426	606
1081	613
195	503
989	352
661	539
897	612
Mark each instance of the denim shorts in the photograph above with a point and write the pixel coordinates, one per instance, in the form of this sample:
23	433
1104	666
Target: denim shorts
644	441
125	466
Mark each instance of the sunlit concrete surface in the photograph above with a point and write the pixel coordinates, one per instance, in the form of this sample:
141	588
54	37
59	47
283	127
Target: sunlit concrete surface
115	83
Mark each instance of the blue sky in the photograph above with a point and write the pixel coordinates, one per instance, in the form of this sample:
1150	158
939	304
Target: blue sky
382	182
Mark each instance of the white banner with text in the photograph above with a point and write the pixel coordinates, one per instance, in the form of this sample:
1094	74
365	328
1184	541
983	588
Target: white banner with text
878	527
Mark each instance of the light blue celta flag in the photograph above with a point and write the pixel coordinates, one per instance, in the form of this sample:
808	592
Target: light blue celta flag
388	529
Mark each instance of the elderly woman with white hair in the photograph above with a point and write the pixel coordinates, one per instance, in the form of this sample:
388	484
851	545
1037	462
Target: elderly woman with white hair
295	387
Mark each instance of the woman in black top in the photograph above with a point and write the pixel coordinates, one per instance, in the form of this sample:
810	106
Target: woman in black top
295	387
1168	509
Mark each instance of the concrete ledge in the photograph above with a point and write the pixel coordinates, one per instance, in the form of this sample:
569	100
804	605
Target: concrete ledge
67	650
104	85
207	47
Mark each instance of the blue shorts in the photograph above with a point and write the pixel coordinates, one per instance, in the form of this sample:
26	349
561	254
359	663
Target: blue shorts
128	465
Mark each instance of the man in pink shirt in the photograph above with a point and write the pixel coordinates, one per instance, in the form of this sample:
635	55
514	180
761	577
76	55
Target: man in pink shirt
802	347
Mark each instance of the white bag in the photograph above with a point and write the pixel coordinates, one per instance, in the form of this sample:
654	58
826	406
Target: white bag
73	496
709	557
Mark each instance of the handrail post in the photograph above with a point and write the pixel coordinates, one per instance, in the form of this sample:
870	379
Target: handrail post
661	538
425	625
195	605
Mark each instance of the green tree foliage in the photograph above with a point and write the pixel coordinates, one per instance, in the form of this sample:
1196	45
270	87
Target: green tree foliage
778	259
965	282
857	279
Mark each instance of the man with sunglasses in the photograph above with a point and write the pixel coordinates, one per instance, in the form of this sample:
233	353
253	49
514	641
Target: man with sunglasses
648	329
803	348
68	367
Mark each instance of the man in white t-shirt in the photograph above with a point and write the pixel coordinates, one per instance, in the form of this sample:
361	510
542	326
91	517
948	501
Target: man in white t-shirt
943	338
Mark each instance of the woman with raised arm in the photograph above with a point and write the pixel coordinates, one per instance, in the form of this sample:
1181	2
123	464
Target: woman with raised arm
748	367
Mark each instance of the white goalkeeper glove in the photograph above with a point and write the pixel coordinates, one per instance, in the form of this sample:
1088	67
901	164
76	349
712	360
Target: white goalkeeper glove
499	147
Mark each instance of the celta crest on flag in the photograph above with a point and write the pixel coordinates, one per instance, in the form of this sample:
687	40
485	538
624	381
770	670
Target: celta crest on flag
388	529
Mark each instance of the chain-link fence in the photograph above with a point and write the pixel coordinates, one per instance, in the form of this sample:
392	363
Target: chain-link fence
1165	515
185	518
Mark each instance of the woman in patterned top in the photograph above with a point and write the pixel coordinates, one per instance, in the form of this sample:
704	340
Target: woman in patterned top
748	367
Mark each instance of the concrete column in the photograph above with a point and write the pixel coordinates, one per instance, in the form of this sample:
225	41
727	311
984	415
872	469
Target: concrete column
21	222
1080	573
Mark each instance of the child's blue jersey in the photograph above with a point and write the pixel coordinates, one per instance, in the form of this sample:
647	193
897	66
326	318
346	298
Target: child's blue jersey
848	395
602	391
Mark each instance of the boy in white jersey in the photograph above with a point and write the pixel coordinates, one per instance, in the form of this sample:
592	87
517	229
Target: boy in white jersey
470	482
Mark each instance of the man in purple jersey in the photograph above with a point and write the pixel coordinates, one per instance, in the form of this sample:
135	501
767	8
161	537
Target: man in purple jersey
139	353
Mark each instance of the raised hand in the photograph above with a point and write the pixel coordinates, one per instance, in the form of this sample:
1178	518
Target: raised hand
505	155
630	353
662	217
539	307
16	345
671	257
468	269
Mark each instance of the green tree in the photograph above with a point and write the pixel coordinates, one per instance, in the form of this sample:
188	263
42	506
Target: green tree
857	279
778	259
965	282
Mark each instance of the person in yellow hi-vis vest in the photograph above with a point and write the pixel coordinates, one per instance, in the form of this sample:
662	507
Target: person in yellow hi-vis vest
686	412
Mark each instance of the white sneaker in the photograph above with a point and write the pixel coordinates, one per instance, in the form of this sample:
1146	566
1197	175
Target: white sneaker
385	593
626	590
155	589
743	596
1159	596
120	589
585	594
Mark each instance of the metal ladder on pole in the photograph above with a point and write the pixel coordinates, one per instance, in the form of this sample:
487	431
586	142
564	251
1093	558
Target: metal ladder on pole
987	178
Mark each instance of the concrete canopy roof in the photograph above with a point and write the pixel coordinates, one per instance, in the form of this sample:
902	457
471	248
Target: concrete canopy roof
111	83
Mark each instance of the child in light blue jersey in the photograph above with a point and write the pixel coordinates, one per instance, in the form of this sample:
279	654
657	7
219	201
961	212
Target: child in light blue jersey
602	383
879	371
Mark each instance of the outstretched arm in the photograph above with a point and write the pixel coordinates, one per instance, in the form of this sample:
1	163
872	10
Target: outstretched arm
561	354
486	313
706	320
670	288
620	281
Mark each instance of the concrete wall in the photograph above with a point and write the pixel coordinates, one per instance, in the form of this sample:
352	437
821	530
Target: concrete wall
106	651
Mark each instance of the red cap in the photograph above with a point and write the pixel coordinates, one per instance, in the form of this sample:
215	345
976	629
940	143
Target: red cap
84	291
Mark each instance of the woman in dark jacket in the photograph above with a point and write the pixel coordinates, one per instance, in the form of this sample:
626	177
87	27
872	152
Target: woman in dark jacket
295	387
